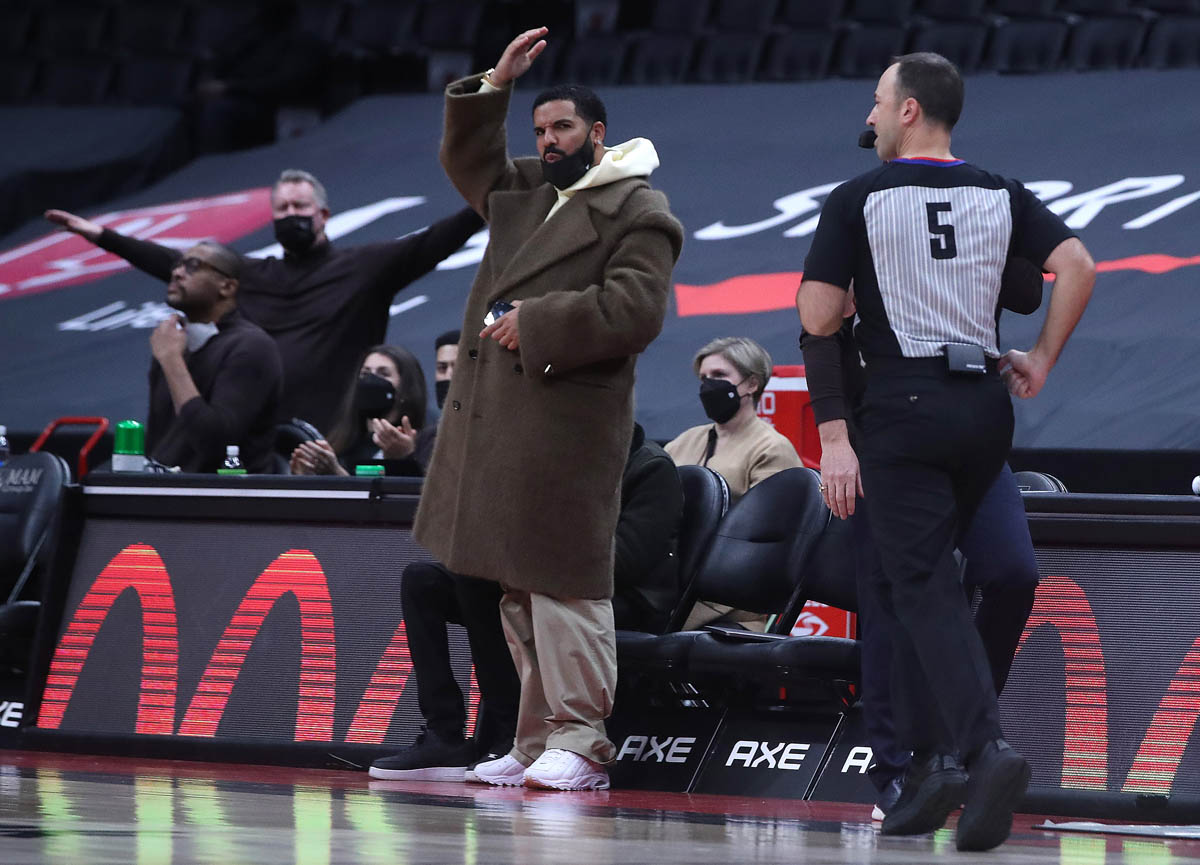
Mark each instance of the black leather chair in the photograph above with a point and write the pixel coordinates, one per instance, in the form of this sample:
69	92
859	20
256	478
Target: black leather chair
287	436
31	491
792	669
1038	482
760	547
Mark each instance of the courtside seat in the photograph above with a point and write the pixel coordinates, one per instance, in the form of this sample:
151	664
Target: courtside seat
1024	45
705	501
1038	482
596	60
793	668
760	546
31	491
1108	41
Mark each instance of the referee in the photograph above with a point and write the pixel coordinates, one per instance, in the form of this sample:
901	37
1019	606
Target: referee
924	239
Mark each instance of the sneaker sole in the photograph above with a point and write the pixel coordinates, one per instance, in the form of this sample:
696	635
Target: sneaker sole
549	784
429	773
987	818
937	796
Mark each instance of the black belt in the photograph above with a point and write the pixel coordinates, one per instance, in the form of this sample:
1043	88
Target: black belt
916	365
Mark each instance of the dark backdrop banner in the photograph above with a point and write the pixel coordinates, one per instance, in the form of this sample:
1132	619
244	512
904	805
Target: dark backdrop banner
747	169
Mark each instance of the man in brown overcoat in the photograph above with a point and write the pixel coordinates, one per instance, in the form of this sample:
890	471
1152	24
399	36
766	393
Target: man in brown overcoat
524	486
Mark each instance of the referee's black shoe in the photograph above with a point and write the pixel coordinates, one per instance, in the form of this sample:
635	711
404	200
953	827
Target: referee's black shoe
997	778
934	785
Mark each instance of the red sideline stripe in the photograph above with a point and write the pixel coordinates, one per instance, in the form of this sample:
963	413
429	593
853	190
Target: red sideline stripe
766	292
760	292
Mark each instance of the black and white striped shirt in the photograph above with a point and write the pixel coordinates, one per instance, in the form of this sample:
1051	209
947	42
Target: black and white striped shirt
924	243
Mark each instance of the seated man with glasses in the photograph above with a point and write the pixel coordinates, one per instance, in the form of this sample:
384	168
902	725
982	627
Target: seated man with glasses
216	378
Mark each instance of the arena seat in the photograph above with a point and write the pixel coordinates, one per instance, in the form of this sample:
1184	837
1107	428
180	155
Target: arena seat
728	58
805	14
160	80
1173	42
797	55
15	25
449	24
1027	44
962	42
660	58
1038	482
595	60
754	562
1107	41
147	28
83	81
18	76
70	29
951	10
380	26
877	32
679	16
743	16
31	493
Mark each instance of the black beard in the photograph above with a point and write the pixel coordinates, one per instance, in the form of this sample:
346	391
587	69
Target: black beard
570	166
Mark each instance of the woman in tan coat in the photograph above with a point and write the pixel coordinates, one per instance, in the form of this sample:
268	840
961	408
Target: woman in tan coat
525	481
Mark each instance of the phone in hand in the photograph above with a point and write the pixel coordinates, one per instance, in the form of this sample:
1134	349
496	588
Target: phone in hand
499	308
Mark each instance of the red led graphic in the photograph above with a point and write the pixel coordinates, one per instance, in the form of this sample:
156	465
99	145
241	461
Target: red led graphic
1062	604
374	714
136	567
297	572
1157	760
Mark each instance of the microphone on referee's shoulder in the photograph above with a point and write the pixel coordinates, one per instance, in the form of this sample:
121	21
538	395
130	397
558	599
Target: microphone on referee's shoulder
866	140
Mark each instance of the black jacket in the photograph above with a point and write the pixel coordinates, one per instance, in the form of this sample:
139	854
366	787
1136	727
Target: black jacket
239	378
324	308
646	569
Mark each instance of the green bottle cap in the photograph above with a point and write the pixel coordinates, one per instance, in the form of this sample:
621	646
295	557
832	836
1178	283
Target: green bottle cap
368	471
129	438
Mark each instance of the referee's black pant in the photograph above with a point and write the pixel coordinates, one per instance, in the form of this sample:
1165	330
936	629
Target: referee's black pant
931	443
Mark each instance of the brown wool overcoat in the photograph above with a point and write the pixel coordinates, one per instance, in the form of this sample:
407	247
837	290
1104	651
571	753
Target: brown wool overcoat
524	485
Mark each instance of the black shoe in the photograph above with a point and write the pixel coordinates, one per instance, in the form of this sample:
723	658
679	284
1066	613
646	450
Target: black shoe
997	778
933	786
429	758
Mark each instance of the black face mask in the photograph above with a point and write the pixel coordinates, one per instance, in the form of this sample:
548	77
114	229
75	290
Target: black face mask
720	399
374	396
295	234
571	166
440	389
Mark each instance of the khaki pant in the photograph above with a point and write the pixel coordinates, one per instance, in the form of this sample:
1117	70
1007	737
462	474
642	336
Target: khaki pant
565	652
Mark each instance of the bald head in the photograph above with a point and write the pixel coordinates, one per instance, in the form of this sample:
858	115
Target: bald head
220	256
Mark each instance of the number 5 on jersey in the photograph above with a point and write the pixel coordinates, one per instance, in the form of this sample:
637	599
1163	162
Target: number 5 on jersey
941	245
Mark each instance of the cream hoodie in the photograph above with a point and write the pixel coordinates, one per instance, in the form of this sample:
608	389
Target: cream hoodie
633	158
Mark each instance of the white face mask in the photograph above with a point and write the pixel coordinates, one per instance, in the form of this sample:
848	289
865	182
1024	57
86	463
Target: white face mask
199	333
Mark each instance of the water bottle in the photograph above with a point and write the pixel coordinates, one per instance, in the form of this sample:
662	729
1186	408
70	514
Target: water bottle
3	444
233	462
129	447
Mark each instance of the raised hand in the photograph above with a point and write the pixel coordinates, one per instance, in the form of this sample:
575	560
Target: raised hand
519	56
77	224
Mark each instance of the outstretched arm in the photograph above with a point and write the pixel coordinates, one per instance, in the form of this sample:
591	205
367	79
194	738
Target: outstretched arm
156	260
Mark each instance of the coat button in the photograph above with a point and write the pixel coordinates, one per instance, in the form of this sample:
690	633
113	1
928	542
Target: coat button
472	354
519	370
456	405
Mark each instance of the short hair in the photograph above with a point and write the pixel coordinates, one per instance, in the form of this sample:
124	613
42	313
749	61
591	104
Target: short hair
296	175
587	104
224	258
747	356
934	82
450	337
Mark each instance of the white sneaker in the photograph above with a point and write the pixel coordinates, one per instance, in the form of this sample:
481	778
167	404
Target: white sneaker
505	772
877	813
558	769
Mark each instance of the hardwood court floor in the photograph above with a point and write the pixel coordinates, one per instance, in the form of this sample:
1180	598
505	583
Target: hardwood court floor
77	809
